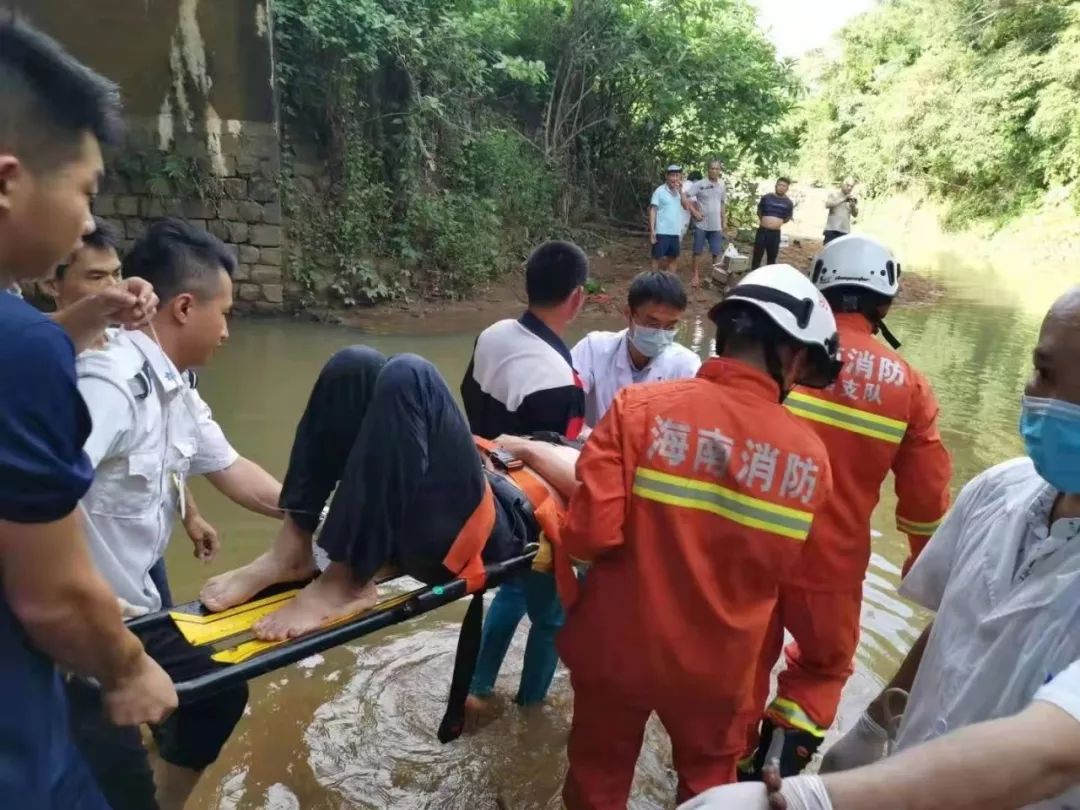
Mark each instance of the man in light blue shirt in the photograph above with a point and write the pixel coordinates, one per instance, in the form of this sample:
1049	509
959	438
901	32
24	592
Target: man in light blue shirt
666	219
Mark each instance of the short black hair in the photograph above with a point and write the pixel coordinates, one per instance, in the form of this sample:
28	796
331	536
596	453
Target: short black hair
177	257
658	287
694	176
48	98
103	238
553	271
784	180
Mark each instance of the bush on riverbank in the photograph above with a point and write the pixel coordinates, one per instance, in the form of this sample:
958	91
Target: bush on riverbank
450	136
972	102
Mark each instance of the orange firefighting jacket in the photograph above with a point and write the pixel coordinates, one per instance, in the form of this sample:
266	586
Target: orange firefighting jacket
880	415
696	495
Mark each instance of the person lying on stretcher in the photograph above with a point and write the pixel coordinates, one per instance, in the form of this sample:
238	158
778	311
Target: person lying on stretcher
410	491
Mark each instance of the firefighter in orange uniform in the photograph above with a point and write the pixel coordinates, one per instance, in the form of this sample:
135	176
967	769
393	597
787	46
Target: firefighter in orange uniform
880	415
695	496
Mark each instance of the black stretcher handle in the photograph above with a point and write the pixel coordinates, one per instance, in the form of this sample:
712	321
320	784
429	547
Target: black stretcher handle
305	646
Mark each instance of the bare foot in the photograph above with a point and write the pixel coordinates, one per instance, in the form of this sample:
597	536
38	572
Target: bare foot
288	560
333	595
479	711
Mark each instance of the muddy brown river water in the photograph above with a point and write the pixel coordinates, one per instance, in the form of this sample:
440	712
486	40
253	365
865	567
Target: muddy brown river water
355	727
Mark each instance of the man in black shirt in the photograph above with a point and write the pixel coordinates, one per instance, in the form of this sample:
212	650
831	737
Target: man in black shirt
385	450
386	435
774	210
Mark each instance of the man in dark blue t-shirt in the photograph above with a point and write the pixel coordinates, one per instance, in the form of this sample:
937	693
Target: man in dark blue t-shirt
774	210
54	607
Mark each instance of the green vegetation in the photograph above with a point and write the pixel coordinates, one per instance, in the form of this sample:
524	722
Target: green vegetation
457	133
166	175
973	102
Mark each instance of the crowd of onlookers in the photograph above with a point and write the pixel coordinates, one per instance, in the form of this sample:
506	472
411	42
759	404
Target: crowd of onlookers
701	203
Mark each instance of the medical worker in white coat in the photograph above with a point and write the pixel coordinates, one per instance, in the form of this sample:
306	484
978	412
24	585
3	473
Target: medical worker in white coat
645	351
1003	575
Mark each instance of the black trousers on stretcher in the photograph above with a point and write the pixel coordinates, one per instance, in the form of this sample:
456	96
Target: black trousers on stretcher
386	438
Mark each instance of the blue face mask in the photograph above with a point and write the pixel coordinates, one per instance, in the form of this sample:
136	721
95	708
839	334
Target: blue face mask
651	341
1051	431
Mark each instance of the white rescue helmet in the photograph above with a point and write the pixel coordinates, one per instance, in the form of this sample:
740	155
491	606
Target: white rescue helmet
857	261
791	301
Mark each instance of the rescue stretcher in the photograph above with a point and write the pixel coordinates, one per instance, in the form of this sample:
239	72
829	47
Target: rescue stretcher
238	656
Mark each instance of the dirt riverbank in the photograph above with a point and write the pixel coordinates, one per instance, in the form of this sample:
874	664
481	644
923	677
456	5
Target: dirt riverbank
614	263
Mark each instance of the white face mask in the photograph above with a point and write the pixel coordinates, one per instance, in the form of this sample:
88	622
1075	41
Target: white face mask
650	340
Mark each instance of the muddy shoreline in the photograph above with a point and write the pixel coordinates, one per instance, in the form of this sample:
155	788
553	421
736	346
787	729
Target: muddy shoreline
613	265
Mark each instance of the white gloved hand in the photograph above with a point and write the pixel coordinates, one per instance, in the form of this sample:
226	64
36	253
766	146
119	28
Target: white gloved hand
130	611
741	796
800	793
865	743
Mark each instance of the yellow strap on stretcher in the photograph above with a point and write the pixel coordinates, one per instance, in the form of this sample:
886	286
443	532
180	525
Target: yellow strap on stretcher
249	649
203	630
200	630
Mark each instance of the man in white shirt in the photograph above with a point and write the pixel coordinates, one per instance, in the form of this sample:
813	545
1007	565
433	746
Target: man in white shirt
1018	761
1003	575
92	270
843	207
710	197
645	351
151	431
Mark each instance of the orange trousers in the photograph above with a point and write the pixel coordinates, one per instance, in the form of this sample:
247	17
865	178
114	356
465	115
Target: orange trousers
825	625
606	737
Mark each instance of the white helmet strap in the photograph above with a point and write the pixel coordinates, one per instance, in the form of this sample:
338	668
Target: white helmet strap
801	308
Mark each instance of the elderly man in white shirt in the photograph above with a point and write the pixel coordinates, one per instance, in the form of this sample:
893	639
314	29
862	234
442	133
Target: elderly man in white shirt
1018	761
151	430
1003	574
645	351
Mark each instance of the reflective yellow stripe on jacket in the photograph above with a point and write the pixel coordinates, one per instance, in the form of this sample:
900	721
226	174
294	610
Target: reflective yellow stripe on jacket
914	527
789	713
846	418
675	490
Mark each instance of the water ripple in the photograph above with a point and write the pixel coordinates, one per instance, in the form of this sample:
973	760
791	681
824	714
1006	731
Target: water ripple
374	743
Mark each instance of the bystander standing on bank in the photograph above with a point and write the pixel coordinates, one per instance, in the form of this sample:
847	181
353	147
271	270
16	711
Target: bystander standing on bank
843	208
666	219
710	197
774	211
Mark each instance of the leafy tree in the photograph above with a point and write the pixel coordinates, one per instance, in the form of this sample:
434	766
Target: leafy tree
459	132
971	100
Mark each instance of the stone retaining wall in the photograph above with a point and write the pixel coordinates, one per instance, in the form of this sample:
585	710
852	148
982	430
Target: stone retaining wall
244	210
197	82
